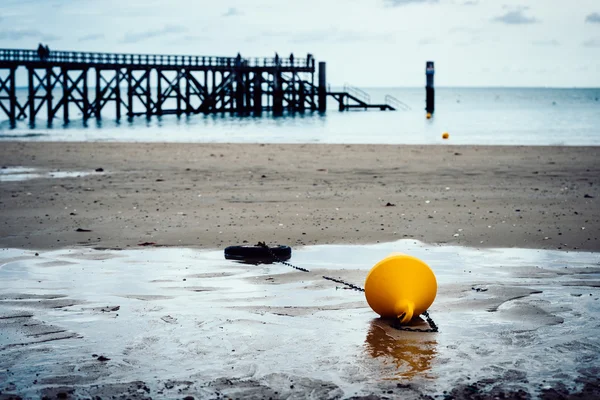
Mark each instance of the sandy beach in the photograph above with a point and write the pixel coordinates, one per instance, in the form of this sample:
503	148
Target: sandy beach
179	321
118	195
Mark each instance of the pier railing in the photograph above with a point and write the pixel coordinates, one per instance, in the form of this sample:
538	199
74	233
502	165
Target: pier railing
123	59
358	93
395	103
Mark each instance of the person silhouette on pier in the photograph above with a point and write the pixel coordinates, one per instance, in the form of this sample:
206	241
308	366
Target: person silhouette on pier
41	51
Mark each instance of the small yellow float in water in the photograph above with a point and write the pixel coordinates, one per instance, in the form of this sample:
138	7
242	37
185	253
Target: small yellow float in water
445	135
428	115
400	286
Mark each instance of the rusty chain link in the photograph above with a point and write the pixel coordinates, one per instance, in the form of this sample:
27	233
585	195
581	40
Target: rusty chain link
396	324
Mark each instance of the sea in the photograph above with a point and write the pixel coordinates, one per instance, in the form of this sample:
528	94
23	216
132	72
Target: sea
470	116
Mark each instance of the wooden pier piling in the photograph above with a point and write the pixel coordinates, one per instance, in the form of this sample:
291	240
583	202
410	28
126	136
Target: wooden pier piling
257	93
162	84
277	92
12	96
117	94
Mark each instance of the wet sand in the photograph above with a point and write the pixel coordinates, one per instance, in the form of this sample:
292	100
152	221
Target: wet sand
172	322
214	195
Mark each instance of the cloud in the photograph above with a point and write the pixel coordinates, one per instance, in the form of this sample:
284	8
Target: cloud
465	30
355	36
546	43
193	38
466	36
232	12
51	37
145	35
595	42
427	41
18	34
399	3
90	37
331	35
470	3
174	29
593	18
515	17
338	36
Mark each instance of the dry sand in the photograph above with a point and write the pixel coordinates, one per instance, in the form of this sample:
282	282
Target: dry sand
214	195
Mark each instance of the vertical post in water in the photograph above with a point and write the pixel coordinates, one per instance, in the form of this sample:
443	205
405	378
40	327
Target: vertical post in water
429	91
31	96
205	92
50	111
66	94
85	95
159	97
277	92
178	91
239	86
118	92
12	94
130	93
213	92
188	90
248	92
312	83
98	97
292	103
149	94
258	93
302	97
322	92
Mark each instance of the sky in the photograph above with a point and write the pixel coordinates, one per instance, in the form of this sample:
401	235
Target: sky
366	43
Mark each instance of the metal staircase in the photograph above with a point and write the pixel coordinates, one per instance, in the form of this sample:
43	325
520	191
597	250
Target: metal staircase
354	98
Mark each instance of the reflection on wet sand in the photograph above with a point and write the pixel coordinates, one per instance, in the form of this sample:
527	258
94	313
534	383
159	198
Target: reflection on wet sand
411	353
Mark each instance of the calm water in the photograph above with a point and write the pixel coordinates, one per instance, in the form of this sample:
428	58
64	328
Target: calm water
491	116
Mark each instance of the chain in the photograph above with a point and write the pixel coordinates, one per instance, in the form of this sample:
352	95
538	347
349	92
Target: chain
350	285
279	260
396	324
433	326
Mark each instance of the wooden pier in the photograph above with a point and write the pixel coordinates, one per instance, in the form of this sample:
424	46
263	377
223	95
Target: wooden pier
150	84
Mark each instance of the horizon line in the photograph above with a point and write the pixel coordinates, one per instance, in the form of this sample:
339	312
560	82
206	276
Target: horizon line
439	87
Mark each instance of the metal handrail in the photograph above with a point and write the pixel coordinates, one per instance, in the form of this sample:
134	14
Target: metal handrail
358	93
397	104
73	57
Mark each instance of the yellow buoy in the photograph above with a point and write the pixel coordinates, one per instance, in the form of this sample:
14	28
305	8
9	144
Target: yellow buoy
428	115
400	286
445	135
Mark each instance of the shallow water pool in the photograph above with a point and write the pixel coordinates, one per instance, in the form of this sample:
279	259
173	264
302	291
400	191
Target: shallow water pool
181	321
17	174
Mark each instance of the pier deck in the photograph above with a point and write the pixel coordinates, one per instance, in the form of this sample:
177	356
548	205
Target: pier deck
63	82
